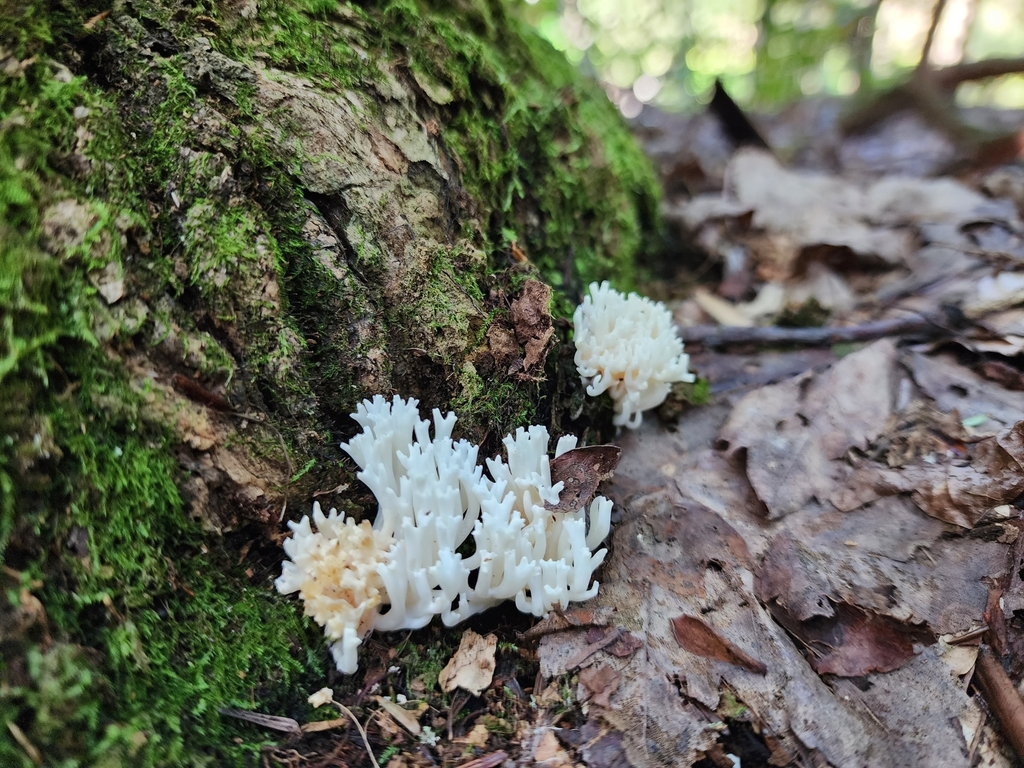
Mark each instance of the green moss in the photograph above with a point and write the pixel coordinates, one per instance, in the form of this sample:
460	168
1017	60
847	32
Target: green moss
154	624
139	601
548	157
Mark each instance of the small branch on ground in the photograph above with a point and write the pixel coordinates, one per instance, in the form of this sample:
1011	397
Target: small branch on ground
717	336
1002	697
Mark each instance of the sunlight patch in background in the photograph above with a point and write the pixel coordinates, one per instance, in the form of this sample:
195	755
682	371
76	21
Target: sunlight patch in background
770	52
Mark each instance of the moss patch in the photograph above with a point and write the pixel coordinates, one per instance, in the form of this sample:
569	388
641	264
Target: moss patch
150	218
145	625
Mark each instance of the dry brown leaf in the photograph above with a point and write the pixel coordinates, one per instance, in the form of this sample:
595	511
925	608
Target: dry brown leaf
697	637
954	387
886	558
581	470
472	666
532	322
960	492
852	642
720	310
503	346
600	682
575	616
407	718
814	209
550	753
668	559
696	553
921	705
792	431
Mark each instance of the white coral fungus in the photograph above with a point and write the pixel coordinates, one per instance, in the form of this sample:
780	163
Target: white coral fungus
628	346
432	496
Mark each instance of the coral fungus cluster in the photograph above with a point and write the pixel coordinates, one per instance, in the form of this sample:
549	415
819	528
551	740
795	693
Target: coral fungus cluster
628	346
433	495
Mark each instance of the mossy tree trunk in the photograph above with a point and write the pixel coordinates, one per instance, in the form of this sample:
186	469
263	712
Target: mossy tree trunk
223	223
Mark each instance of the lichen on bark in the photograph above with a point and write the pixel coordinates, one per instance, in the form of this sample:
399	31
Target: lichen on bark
223	224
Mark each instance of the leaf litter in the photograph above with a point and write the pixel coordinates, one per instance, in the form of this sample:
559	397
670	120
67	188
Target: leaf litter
808	564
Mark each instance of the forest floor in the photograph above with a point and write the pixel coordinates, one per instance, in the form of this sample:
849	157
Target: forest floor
823	563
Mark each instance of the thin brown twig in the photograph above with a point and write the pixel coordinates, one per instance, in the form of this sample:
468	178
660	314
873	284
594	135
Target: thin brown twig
926	51
952	76
1002	697
366	741
717	336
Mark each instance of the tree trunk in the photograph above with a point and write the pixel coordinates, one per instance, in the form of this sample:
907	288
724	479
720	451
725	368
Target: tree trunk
223	224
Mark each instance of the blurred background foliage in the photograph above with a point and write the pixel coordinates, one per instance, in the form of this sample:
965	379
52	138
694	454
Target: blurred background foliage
771	52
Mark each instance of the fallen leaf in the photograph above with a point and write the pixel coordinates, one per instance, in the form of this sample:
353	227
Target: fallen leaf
920	704
852	642
600	683
960	492
792	431
720	310
575	616
581	470
550	753
795	212
697	637
407	718
954	387
503	346
959	658
477	736
321	697
532	321
472	666
691	542
904	565
284	724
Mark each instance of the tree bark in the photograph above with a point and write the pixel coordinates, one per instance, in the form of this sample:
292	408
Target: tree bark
223	224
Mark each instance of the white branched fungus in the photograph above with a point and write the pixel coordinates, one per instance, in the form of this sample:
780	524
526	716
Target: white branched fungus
432	496
629	347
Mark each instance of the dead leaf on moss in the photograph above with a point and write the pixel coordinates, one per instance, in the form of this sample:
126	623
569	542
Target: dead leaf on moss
503	346
532	321
792	431
472	666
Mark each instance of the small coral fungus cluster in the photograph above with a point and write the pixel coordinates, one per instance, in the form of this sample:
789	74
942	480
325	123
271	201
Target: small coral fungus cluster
433	495
628	346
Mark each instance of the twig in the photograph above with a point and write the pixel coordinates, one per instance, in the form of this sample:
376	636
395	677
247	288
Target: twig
717	336
1001	696
492	760
940	6
952	76
366	741
284	724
